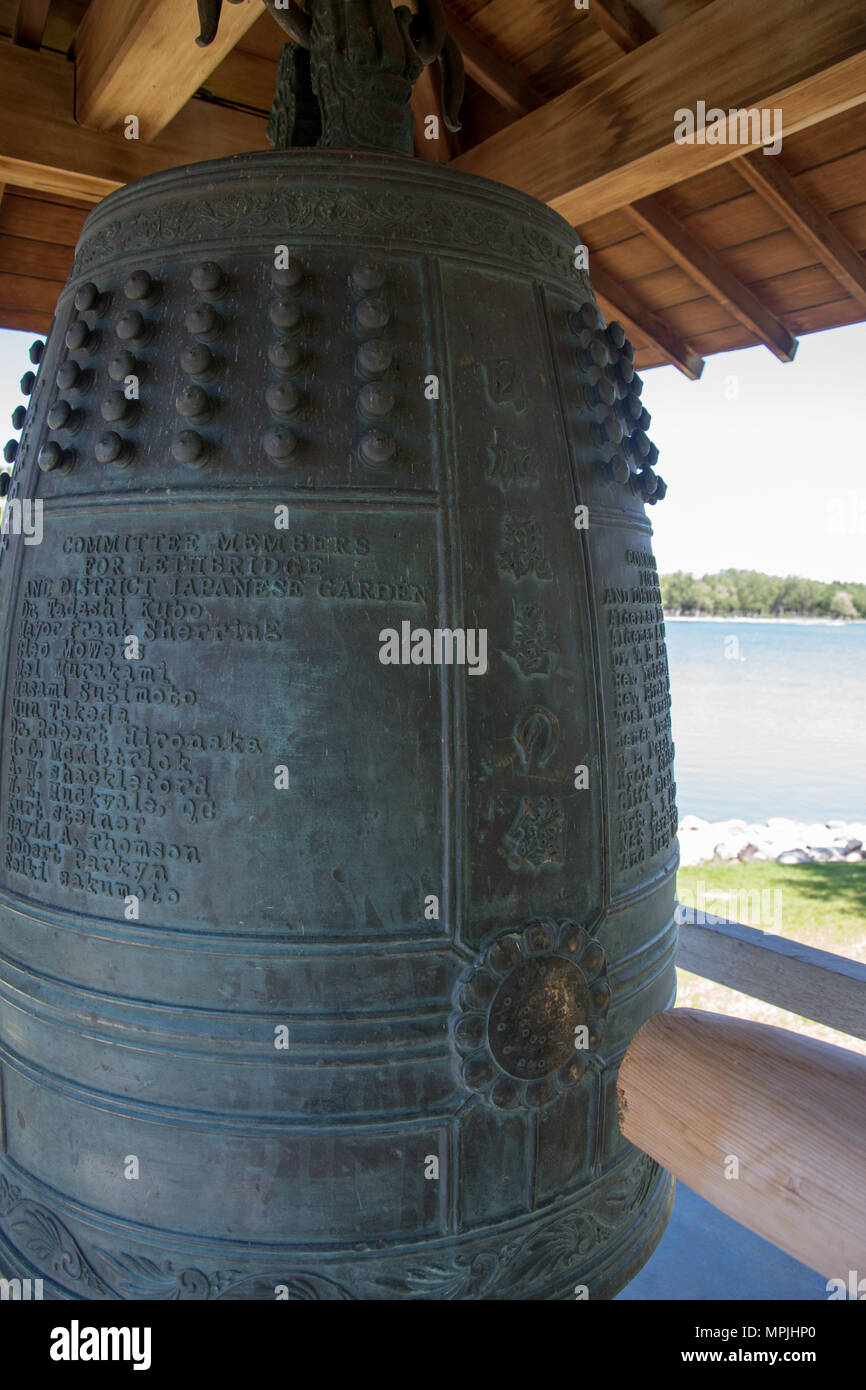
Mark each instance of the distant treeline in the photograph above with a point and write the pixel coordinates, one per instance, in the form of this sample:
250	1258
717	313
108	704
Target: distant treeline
748	593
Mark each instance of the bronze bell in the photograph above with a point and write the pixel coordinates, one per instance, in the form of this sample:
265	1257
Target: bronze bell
339	827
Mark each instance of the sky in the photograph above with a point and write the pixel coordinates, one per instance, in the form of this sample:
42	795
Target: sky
764	460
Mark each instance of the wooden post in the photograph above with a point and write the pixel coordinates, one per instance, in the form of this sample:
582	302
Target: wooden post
767	1125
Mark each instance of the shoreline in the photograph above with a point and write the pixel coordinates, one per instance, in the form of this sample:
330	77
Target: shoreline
736	618
778	839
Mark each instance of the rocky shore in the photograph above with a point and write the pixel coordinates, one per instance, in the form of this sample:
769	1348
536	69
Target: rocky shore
785	841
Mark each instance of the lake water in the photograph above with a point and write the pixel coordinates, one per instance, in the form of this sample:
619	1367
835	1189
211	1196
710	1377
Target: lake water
769	718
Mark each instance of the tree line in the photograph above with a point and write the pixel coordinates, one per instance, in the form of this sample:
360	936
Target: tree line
749	593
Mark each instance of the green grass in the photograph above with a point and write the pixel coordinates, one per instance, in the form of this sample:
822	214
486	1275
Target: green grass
823	905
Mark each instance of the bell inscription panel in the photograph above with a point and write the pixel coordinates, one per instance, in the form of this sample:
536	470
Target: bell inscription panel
643	793
137	761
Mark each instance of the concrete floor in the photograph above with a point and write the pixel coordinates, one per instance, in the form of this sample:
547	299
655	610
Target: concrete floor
705	1255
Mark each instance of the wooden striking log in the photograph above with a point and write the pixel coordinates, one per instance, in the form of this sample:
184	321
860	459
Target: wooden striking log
767	1125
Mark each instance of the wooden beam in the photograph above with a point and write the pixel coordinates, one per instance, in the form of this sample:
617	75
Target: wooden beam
30	23
622	22
425	103
610	140
775	185
140	58
814	984
500	79
767	1125
713	276
48	151
642	320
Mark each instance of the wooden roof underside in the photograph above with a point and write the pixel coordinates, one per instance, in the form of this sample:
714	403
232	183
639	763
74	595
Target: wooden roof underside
696	248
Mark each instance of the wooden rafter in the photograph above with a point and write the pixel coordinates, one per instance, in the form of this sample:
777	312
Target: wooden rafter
30	20
49	151
643	321
510	88
141	59
499	79
611	139
630	30
425	103
778	189
775	185
622	22
713	276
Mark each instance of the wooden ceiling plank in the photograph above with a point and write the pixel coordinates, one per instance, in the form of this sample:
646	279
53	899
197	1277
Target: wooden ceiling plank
622	22
723	340
693	316
637	317
41	259
50	152
58	200
809	149
782	253
852	224
25	320
141	59
786	294
27	292
628	260
836	314
684	307
603	232
30	23
776	186
735	223
672	289
700	194
709	272
500	79
836	185
21	216
611	140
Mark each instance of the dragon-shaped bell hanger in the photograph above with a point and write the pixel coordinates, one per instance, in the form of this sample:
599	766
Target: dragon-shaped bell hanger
346	79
